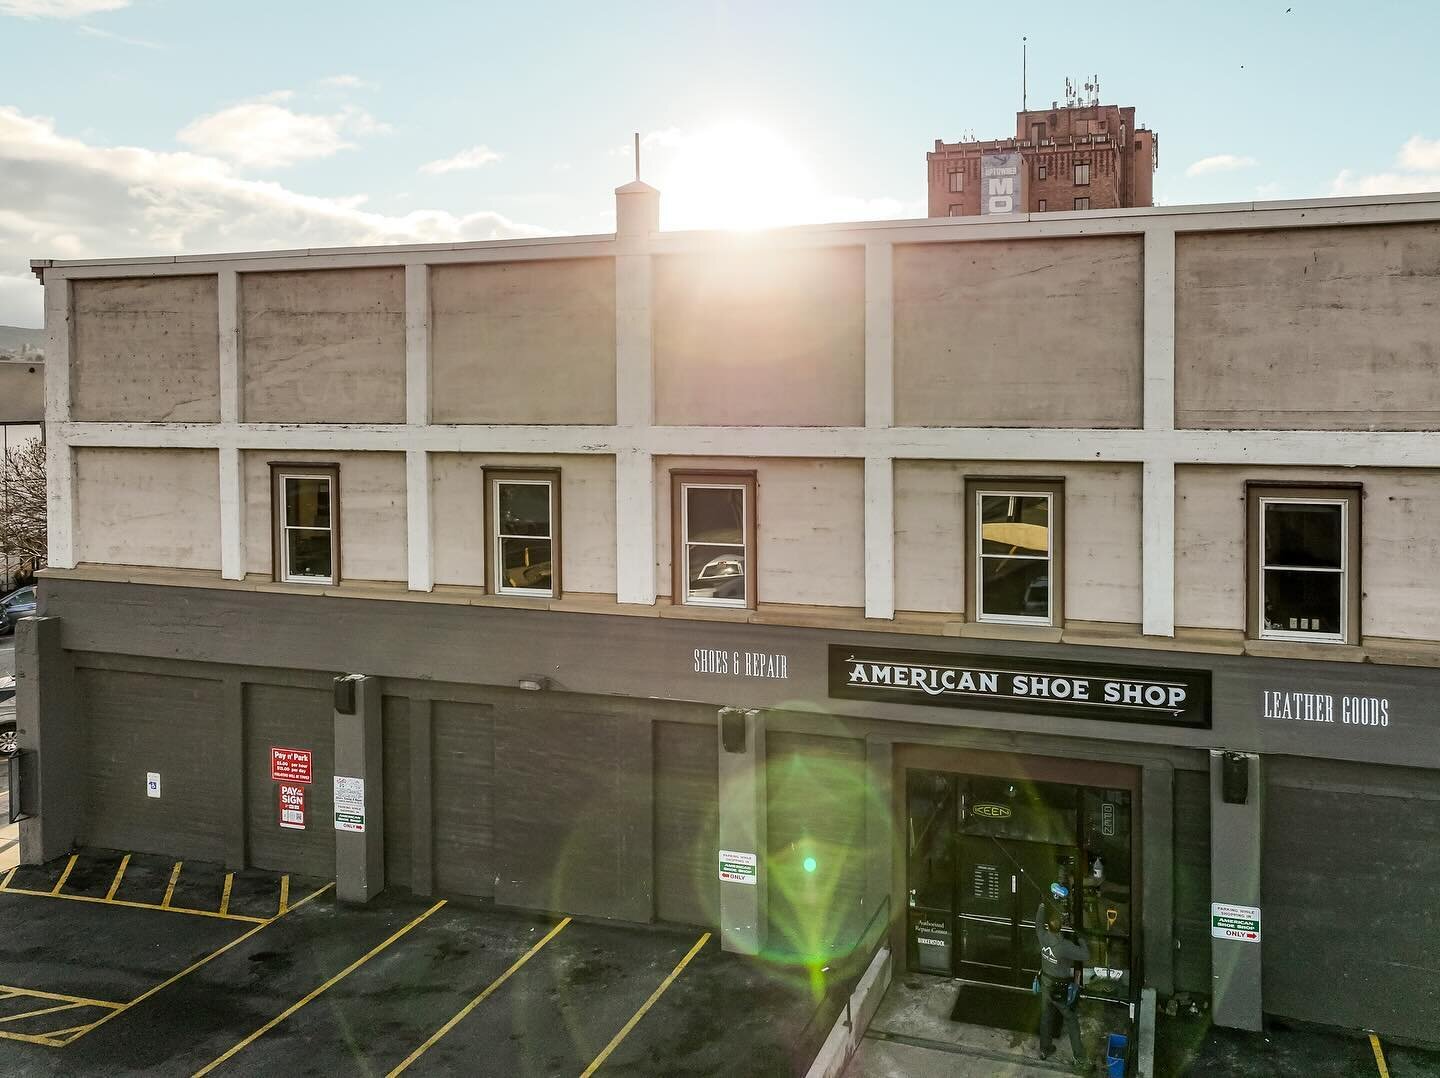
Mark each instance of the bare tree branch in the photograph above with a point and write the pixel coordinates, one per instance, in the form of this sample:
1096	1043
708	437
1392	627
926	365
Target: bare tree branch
22	503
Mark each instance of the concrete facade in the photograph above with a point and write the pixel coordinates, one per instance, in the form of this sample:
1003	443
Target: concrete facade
570	754
22	391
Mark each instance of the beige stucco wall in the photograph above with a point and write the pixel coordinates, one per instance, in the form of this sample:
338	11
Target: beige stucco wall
523	342
811	520
1102	535
372	512
587	517
148	507
769	337
323	346
145	349
1316	328
1400	545
1044	333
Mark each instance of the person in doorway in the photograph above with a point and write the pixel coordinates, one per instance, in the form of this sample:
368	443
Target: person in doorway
1062	964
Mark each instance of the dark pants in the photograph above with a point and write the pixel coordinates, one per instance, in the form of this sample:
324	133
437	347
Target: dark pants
1053	1007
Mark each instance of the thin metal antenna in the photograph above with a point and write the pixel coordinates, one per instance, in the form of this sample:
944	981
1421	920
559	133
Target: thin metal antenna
637	156
1024	75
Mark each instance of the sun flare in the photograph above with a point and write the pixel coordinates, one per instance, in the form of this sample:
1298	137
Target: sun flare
735	175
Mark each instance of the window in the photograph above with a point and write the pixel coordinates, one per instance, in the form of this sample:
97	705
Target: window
1044	170
1305	581
1037	133
714	538
522	526
957	211
1013	535
1042	205
1082	173
957	182
1082	203
306	511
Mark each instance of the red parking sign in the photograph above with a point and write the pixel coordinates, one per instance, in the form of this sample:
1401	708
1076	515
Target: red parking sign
291	765
292	806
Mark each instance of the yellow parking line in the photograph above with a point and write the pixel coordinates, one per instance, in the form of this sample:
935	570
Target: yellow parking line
1379	1056
288	1011
644	1007
141	906
143	996
8	877
119	875
11	991
284	895
170	890
66	874
42	1010
496	983
76	1030
32	1038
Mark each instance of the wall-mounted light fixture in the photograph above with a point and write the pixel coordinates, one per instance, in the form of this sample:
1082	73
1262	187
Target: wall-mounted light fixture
533	684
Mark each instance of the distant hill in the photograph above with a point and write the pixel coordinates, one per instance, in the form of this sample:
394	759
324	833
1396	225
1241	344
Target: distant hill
12	337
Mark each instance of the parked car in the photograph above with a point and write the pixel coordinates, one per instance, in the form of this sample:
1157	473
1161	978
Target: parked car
18	604
8	743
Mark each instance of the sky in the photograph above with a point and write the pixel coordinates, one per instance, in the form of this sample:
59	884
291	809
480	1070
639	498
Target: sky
137	127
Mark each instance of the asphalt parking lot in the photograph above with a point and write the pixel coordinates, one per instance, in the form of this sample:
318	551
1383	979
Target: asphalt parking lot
131	964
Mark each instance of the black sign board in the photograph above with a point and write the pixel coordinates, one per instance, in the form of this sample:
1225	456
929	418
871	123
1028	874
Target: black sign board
1166	697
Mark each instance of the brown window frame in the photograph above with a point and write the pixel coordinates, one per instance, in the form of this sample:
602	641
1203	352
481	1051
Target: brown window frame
493	477
1086	200
1351	496
957	181
678	583
1044	171
280	470
1041	206
977	485
1078	166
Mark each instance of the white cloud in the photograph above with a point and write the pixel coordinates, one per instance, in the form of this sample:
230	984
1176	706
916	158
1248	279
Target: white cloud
474	157
59	9
263	134
345	82
95	31
1420	153
1220	162
1417	169
65	198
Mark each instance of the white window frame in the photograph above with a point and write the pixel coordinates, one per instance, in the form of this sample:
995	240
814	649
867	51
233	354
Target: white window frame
497	555
284	477
1302	635
687	599
980	556
1078	166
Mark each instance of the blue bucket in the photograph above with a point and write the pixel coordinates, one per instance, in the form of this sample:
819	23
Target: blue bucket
1116	1045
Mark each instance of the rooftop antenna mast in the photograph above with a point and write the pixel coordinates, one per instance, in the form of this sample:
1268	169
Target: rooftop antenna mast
1024	81
637	156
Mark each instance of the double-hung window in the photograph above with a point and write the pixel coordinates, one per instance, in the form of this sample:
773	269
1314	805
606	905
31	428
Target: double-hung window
522	514
306	510
957	181
1305	582
714	538
1082	173
1013	530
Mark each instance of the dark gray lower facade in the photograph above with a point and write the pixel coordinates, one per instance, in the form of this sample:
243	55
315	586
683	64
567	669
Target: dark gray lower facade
643	754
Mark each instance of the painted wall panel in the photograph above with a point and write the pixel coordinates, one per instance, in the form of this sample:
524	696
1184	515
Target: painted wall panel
145	349
590	852
138	723
1192	882
523	342
395	738
760	337
687	823
292	718
1102	535
372	512
587	509
811	520
22	392
148	507
323	346
1043	333
1400	545
463	768
1301	328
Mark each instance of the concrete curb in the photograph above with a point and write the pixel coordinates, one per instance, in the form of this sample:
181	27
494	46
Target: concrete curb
850	1027
1145	1048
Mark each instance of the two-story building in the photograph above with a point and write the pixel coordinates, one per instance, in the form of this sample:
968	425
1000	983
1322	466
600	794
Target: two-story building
779	582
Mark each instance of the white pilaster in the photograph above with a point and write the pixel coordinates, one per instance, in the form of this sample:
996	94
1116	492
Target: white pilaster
1159	408
61	541
879	335
417	345
879	537
232	513
420	541
1157	551
634	360
635	527
228	294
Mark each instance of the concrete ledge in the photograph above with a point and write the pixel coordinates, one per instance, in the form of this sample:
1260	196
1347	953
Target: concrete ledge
1145	1042
849	1028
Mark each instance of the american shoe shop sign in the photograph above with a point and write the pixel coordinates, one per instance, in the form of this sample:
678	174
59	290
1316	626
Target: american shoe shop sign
1170	697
